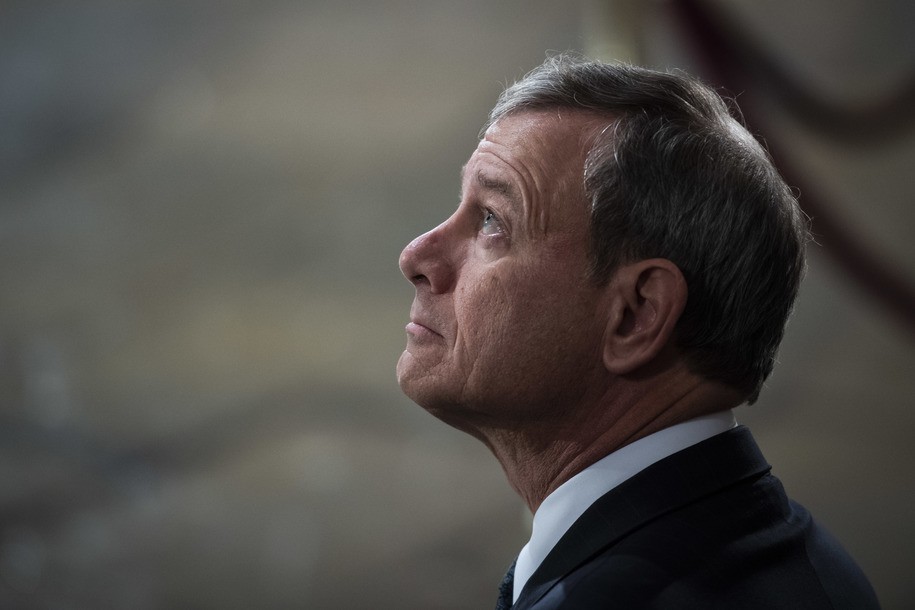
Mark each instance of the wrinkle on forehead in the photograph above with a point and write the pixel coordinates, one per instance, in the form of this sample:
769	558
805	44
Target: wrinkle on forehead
551	147
583	131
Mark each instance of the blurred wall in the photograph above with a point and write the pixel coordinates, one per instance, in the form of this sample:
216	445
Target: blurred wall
201	208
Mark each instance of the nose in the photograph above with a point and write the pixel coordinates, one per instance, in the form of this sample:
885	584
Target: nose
428	260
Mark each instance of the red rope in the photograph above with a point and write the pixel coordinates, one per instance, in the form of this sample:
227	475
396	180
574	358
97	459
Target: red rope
735	52
722	59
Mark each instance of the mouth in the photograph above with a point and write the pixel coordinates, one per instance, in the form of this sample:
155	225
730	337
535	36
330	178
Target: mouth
420	325
418	329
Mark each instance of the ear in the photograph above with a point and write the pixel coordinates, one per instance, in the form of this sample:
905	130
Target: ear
646	299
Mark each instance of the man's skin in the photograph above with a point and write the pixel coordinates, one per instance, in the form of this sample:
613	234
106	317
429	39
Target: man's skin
511	339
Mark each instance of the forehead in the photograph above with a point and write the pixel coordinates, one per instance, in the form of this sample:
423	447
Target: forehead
554	133
531	157
542	141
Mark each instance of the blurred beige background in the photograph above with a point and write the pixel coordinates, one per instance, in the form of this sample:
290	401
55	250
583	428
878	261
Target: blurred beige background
201	208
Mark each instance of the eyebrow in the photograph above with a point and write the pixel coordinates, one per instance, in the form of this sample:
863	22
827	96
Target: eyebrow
504	188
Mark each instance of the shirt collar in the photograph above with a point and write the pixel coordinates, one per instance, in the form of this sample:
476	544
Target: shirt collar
566	503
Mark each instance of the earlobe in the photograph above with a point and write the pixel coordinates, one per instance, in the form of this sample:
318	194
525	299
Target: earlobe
645	301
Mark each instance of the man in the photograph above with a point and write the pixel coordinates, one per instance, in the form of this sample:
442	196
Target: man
617	278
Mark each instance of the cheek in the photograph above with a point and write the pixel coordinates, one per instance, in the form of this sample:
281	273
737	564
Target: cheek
500	318
531	311
483	311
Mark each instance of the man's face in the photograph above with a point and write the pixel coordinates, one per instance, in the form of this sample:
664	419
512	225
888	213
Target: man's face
505	323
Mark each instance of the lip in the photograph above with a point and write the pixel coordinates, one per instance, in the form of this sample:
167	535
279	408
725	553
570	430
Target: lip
418	329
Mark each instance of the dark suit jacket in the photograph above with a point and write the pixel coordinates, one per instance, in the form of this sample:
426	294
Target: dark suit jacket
705	528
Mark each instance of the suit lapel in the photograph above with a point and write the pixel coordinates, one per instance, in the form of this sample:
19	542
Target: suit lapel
669	484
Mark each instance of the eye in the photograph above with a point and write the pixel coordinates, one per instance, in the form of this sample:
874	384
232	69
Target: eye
491	224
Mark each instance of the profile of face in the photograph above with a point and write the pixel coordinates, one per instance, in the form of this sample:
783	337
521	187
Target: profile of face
506	321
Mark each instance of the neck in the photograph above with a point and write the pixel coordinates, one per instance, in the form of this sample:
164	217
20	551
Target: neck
540	456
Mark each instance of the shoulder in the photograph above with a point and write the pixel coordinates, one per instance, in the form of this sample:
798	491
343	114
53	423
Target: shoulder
708	527
745	547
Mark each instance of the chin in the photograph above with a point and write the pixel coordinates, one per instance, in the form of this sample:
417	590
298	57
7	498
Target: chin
422	386
411	377
421	391
403	370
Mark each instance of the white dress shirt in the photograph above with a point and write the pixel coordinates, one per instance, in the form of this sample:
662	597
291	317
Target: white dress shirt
566	504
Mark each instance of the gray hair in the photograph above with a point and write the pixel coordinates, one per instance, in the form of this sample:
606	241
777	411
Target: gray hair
675	175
